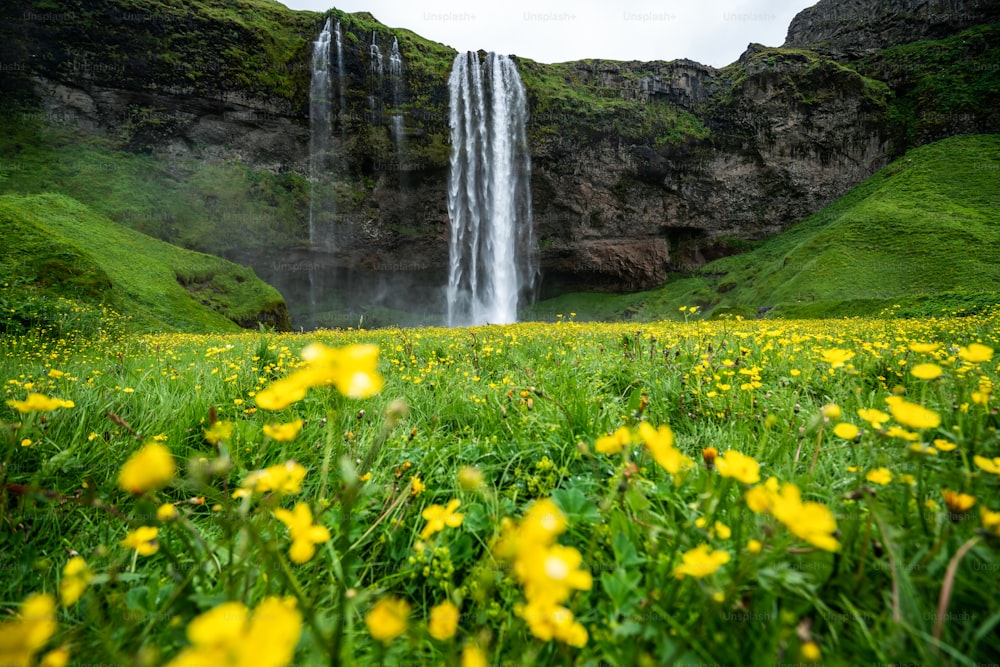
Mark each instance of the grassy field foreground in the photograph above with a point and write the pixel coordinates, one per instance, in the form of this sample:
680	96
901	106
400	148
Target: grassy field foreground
723	492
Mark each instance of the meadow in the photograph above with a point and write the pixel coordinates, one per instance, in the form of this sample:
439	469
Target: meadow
699	492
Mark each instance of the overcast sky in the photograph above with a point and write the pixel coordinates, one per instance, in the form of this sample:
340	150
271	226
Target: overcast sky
712	32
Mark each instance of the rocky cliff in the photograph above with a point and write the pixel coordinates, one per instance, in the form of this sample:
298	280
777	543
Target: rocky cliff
640	170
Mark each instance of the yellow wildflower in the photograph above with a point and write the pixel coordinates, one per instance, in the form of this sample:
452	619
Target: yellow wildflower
874	417
738	466
760	498
283	432
352	370
831	411
914	416
991	521
387	619
975	353
754	546
810	652
836	358
809	521
166	512
232	635
438	517
879	476
926	371
992	466
57	657
956	502
613	444
660	443
549	621
148	469
284	478
444	621
143	540
220	431
700	562
305	535
416	486
473	656
846	431
924	348
76	577
39	403
25	635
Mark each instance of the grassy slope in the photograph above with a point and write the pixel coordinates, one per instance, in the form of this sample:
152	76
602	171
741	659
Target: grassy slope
58	246
925	226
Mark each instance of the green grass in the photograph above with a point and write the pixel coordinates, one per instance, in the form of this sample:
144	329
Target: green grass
923	230
524	404
54	246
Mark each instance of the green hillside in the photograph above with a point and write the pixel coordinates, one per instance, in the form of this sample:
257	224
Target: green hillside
923	233
56	251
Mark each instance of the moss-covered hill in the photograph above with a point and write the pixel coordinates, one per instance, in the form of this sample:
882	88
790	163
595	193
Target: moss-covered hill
58	258
922	234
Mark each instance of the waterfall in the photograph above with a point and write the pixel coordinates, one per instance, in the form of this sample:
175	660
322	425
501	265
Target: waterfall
492	261
396	89
340	80
320	139
375	60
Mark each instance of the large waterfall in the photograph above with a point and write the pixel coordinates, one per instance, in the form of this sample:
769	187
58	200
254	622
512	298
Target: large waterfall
492	261
340	79
320	140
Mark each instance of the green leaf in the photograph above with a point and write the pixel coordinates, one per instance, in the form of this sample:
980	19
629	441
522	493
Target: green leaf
576	505
622	587
625	551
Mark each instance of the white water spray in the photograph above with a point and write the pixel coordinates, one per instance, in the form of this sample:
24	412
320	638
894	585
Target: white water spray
492	261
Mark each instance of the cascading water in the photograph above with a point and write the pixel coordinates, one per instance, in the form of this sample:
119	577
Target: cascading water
320	138
340	79
492	260
396	88
377	71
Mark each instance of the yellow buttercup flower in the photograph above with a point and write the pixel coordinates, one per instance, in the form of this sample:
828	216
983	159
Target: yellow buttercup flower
913	415
924	348
614	443
352	370
305	535
57	657
284	478
220	431
660	443
975	353
36	402
24	636
444	621
879	476
283	432
438	517
836	358
738	466
548	621
470	478
926	371
231	635
148	469
76	577
809	521
387	619
700	562
416	486
874	417
473	656
760	498
166	512
846	431
143	540
831	411
958	502
991	521
989	465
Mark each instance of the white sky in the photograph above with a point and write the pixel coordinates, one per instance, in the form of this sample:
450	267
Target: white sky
712	32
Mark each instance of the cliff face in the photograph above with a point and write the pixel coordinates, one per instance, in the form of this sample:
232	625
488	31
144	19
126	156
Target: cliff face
639	169
854	28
